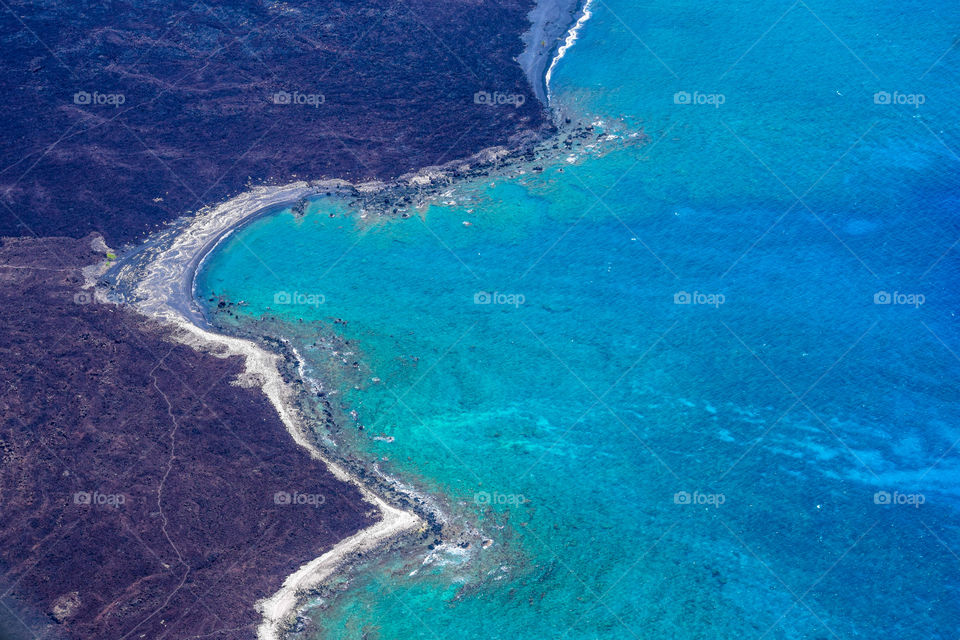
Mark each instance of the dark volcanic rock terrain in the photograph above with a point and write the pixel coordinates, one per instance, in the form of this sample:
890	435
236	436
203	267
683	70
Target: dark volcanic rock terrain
121	115
138	486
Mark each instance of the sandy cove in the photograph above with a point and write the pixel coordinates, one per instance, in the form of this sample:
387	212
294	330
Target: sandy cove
165	293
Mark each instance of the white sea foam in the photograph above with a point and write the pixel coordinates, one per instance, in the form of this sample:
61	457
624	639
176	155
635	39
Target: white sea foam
567	43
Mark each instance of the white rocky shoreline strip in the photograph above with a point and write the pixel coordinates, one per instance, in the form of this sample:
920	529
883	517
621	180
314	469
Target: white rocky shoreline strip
164	293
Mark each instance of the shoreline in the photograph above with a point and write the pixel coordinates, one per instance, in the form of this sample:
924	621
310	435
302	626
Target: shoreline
162	273
158	277
165	290
572	34
544	43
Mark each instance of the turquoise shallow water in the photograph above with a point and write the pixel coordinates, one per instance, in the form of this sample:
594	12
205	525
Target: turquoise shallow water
748	464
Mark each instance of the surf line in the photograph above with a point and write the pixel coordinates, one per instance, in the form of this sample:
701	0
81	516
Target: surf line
568	42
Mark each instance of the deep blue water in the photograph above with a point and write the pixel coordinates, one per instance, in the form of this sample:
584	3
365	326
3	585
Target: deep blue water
774	459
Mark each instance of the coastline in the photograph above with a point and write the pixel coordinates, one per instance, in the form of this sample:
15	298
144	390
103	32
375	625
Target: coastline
155	277
572	35
439	372
158	280
162	274
164	289
550	20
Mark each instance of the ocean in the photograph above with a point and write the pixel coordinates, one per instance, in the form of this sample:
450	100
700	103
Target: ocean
693	376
